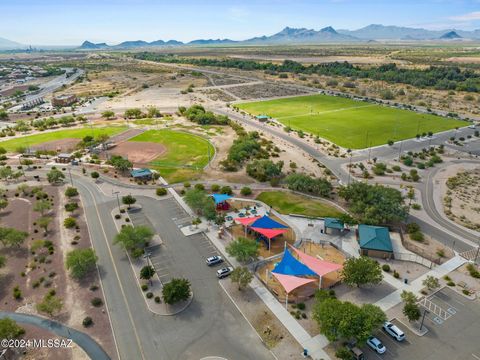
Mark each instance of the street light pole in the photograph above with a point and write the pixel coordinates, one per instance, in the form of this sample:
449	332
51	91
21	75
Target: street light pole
423	318
118	200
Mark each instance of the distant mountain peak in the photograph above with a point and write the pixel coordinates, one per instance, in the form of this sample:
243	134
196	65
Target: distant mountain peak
328	29
450	35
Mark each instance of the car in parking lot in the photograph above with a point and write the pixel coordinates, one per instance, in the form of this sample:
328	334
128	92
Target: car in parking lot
393	331
376	345
224	272
213	260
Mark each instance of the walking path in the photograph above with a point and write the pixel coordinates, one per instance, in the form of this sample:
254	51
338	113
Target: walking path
90	346
415	286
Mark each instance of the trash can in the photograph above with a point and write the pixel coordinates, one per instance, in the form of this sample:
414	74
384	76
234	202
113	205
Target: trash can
405	281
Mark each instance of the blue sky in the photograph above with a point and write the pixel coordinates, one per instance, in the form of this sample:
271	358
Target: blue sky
70	22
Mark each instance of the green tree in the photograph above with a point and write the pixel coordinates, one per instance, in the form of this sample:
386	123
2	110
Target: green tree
264	170
71	206
71	192
95	175
246	191
5	173
374	204
3	115
12	237
153	112
3	261
108	114
134	113
80	262
361	271
147	272
411	311
43	222
202	204
42	206
128	200
431	282
119	163
69	222
242	276
3	203
243	249
176	290
50	304
131	238
55	176
26	162
9	329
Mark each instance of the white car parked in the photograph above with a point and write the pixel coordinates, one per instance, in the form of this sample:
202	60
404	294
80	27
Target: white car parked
376	345
393	331
224	272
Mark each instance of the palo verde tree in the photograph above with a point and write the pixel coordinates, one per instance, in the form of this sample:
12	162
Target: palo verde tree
80	262
243	249
128	200
242	276
55	176
147	272
361	271
131	238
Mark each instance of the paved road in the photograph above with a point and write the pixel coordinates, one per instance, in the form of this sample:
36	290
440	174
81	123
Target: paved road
90	346
211	325
51	86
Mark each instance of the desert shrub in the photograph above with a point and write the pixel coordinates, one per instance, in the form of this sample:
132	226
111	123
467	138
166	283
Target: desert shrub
161	192
88	321
96	301
149	295
386	267
144	287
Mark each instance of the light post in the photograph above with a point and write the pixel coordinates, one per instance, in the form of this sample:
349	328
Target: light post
118	200
425	312
70	174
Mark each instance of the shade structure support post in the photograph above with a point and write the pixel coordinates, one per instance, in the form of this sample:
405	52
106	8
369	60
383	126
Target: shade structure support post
286	301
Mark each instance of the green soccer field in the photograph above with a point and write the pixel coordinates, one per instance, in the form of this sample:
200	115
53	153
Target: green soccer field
349	123
37	139
186	155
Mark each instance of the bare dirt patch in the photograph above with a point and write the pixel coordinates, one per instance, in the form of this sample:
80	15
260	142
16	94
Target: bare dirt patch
263	91
62	145
138	152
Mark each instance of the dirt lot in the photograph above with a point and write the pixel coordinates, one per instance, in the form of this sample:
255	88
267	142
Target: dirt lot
63	145
263	91
139	153
460	189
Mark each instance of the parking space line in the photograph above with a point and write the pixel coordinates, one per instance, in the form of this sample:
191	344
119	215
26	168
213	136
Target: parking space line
476	357
386	336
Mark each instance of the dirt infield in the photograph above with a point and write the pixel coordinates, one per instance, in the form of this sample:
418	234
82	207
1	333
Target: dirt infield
138	152
62	145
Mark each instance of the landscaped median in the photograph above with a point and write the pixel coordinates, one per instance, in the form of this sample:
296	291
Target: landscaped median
147	279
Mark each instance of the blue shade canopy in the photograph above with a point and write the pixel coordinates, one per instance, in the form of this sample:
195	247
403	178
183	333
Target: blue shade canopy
291	266
220	198
267	223
141	172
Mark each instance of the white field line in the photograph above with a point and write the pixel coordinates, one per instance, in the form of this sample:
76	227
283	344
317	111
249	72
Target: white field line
325	112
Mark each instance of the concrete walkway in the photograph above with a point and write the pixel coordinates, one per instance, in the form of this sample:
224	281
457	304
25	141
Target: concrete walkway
415	286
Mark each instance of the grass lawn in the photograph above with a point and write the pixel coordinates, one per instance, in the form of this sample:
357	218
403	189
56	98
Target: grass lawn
289	203
186	154
30	140
349	123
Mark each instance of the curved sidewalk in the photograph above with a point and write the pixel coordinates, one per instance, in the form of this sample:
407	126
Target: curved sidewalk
90	346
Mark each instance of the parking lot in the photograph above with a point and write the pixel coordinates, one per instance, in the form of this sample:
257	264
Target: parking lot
456	337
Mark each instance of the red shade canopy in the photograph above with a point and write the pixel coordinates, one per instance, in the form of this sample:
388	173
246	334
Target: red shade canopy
247	220
269	233
320	267
290	282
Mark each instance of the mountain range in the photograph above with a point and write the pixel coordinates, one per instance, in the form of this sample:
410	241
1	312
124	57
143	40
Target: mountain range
288	35
310	36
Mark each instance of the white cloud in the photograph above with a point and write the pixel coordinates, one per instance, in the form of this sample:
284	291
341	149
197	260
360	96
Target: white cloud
475	15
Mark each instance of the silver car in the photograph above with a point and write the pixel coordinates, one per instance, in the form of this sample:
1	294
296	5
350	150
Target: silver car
224	272
376	345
